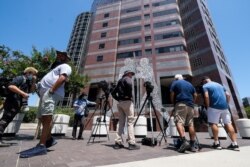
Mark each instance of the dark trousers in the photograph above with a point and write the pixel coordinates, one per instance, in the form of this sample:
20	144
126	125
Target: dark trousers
78	120
11	108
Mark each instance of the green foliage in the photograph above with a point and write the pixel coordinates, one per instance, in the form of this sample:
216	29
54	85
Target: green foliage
30	116
12	63
247	109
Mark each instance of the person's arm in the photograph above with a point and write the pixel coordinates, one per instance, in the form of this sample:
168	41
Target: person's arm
91	103
206	99
62	78
227	96
15	89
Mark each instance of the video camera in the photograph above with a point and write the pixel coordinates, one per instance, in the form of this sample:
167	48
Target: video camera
106	87
149	87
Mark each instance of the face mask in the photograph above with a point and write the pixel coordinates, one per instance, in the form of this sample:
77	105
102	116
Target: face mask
30	77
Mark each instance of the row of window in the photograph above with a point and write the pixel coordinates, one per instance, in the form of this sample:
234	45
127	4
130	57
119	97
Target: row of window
160	50
148	38
147	16
156	25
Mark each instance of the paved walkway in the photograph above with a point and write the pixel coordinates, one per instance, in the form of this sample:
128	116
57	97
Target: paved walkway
69	153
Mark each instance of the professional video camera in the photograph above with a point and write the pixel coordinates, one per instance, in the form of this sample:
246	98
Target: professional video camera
106	87
149	87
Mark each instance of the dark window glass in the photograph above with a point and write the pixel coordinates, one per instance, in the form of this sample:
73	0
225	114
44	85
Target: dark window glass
106	15
129	10
166	23
147	27
147	38
105	24
129	30
165	12
130	19
163	3
148	51
147	16
167	35
168	49
146	6
99	58
129	41
103	34
129	54
102	46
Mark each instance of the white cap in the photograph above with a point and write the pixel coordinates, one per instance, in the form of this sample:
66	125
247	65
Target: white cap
178	77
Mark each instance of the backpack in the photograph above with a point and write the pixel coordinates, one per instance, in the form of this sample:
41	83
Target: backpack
4	81
118	92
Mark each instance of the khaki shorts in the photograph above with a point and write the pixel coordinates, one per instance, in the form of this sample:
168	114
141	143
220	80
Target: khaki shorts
184	114
47	104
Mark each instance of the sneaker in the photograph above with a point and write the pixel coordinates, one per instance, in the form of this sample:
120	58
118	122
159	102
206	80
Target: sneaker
185	145
133	147
38	150
80	138
50	142
194	146
118	146
216	146
73	138
3	144
233	147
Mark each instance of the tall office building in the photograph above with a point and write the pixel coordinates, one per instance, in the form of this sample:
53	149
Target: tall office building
77	46
177	36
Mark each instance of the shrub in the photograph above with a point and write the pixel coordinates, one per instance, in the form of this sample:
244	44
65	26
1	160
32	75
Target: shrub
30	116
247	109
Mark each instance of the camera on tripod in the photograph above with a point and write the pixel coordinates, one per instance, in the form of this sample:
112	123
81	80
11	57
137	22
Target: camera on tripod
106	87
149	87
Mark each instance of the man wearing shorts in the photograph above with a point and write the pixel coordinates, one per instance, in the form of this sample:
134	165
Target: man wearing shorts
183	96
51	91
216	101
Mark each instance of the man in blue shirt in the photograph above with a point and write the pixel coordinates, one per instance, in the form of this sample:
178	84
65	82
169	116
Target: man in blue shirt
80	106
216	101
183	96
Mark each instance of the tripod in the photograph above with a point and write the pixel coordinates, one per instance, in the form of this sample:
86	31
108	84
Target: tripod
104	106
149	98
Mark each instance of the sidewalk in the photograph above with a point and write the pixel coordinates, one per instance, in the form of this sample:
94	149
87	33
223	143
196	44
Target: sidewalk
78	153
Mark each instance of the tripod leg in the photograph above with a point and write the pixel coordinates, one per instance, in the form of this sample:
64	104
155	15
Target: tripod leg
140	111
163	133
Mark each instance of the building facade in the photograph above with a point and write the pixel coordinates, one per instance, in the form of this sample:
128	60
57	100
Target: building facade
177	36
77	47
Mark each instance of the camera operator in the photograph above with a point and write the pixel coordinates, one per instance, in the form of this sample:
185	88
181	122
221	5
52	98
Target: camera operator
81	111
51	92
17	97
183	96
216	101
123	94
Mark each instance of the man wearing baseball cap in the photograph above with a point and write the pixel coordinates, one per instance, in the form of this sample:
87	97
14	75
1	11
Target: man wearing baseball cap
123	94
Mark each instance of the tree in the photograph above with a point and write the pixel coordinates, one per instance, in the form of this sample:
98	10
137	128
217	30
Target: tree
14	62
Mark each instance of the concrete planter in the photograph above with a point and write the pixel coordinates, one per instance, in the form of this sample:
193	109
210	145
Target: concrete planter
100	128
60	124
140	129
244	128
14	126
222	133
172	129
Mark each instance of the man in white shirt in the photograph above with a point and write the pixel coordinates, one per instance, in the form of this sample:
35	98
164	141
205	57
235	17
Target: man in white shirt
51	91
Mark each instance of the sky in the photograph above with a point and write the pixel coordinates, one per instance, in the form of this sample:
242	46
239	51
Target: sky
48	23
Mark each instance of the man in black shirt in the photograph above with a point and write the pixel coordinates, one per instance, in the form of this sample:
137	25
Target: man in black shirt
123	94
18	94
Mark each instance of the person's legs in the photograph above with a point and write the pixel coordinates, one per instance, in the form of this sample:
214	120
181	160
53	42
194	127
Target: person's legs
122	118
81	121
74	127
46	122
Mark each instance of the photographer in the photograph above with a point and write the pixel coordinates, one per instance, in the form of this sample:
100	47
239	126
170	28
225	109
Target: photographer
81	111
51	92
17	97
183	96
216	101
123	94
